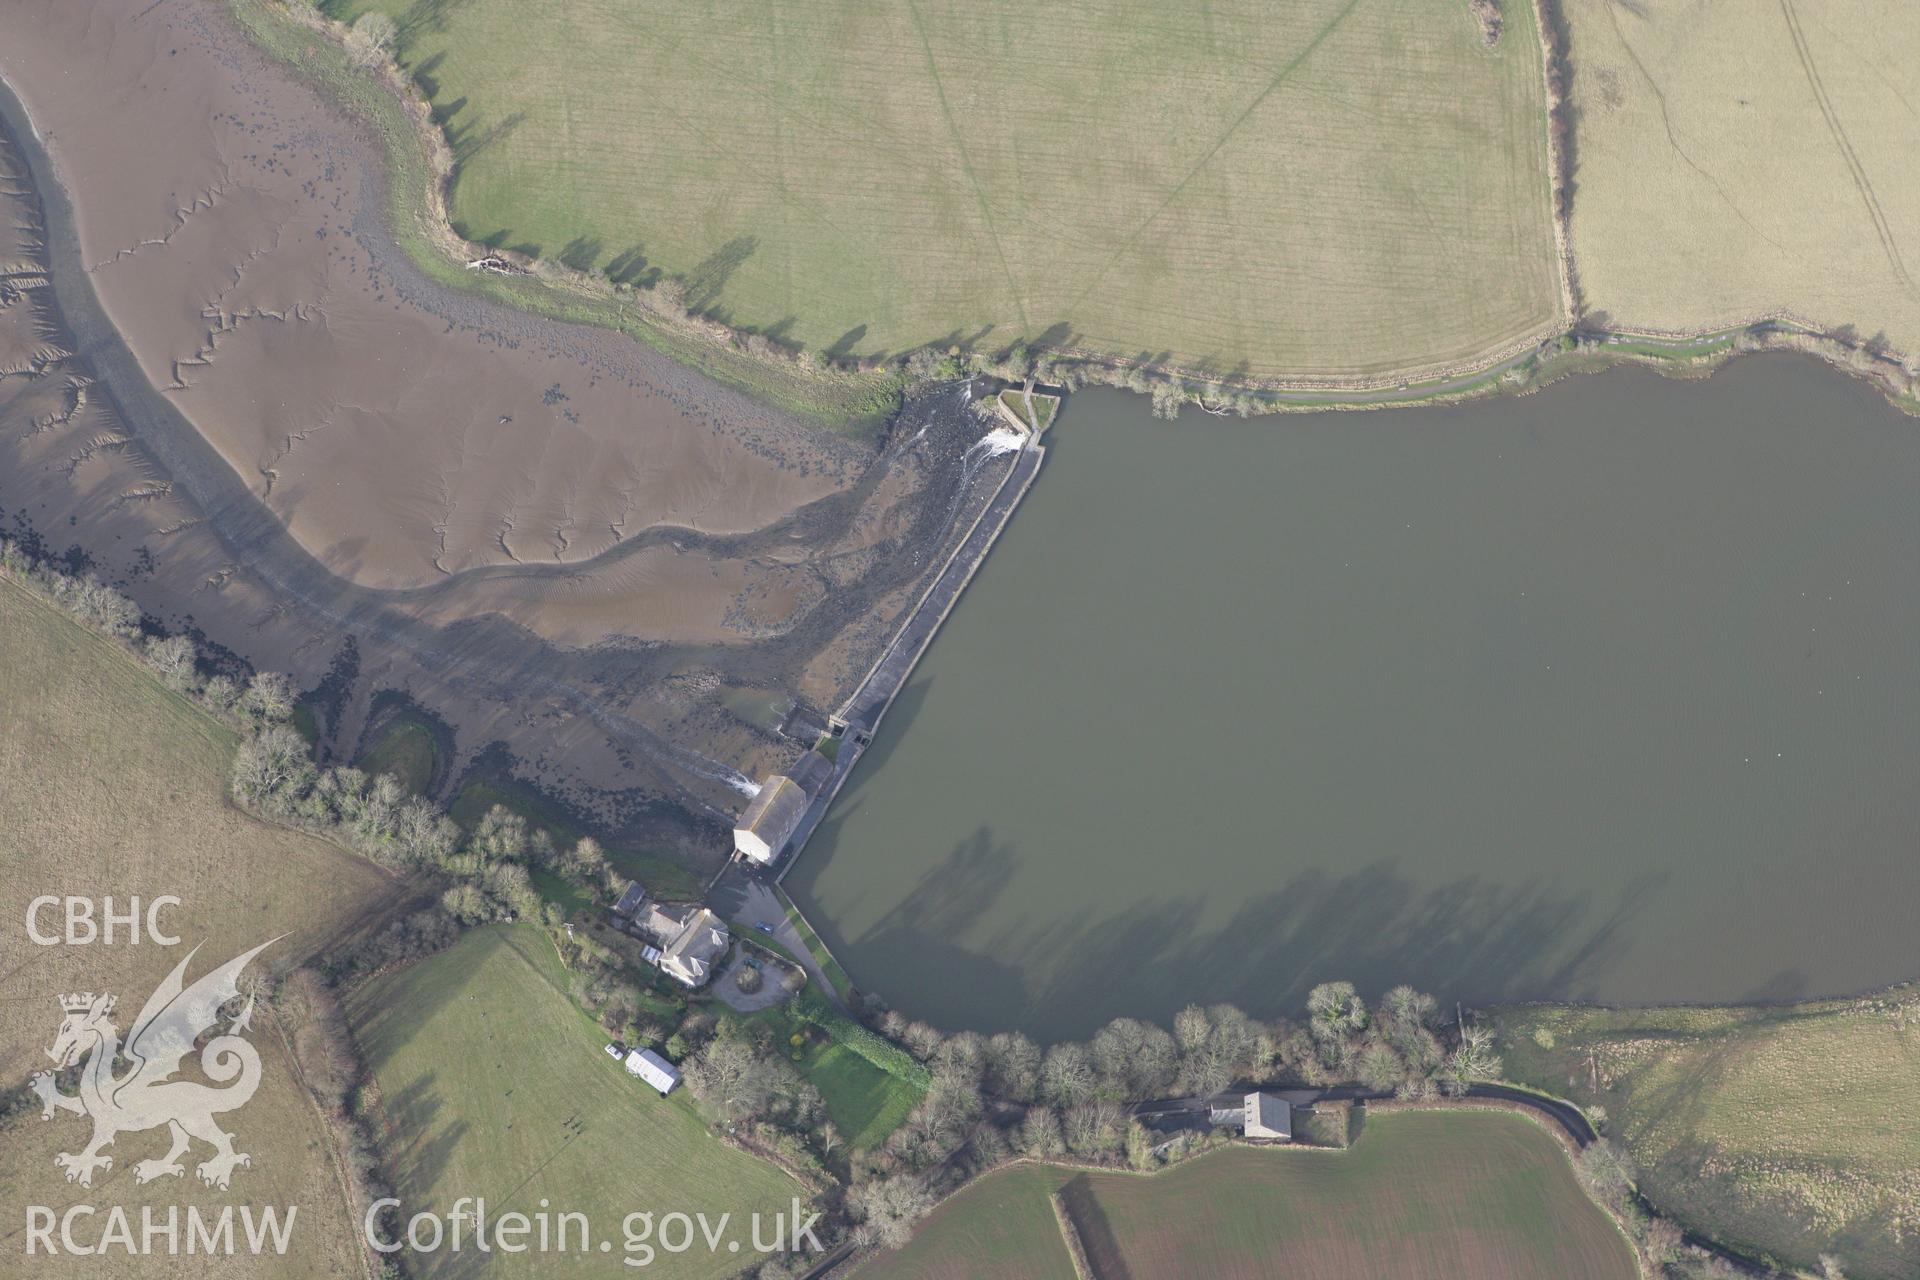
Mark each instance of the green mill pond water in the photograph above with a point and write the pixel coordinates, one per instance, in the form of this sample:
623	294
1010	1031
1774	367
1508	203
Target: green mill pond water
1607	693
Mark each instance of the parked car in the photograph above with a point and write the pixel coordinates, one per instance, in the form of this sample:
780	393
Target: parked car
764	927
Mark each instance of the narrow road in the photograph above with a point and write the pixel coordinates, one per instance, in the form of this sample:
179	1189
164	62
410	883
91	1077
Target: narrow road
865	707
745	900
1567	1117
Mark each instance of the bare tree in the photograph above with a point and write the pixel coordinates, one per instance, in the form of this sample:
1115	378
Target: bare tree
1191	1027
270	767
500	836
1040	1134
172	659
1608	1172
1095	1129
887	1209
269	697
1135	1059
1066	1075
1475	1059
372	36
1663	1241
732	1075
1380	1066
1013	1067
1335	1011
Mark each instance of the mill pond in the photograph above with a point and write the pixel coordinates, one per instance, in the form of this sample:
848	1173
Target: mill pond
1605	693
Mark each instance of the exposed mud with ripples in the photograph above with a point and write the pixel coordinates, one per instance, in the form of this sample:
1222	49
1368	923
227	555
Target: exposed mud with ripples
224	389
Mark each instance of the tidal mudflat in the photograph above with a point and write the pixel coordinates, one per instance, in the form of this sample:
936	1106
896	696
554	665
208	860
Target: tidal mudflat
228	393
1603	693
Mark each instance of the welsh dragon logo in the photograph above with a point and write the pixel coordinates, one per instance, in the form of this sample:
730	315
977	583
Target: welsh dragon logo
145	1095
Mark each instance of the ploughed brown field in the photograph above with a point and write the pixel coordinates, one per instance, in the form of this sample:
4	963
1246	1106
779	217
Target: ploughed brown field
232	396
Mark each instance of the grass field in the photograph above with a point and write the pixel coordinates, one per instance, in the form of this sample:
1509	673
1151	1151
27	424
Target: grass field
110	784
1786	1131
1420	1195
865	1102
1736	159
292	1165
1328	188
406	748
1000	1228
493	1084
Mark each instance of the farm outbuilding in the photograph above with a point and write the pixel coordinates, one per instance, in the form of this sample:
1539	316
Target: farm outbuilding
654	1069
630	901
1267	1118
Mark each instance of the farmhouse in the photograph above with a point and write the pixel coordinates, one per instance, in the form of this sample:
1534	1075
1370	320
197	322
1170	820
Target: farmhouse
770	819
654	1069
686	939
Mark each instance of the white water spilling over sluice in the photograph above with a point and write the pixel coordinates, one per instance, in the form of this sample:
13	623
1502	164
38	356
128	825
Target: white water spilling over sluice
713	770
994	444
1001	440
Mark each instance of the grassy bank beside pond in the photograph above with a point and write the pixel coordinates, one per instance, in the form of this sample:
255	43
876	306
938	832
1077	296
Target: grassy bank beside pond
1782	1131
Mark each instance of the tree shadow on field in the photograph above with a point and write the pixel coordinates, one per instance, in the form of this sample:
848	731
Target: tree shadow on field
707	281
1090	1219
415	1155
630	266
426	75
476	136
423	16
843	345
1055	337
443	113
580	253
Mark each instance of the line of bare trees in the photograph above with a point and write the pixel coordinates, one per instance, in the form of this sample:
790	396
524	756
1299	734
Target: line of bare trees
996	1097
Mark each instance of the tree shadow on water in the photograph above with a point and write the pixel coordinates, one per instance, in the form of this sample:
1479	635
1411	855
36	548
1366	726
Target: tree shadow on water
965	954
